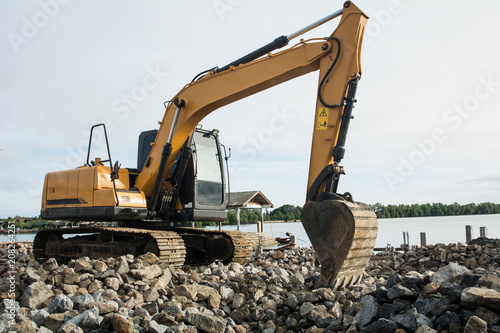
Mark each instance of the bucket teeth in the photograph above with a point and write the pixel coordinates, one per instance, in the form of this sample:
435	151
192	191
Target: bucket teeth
343	234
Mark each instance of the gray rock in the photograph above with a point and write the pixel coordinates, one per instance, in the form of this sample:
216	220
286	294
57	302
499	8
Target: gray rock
380	326
336	310
481	297
446	319
393	280
31	275
317	313
122	266
5	322
238	300
87	320
292	302
425	329
105	307
206	322
112	283
80	302
426	305
139	311
490	281
369	310
164	319
326	294
172	310
83	265
151	308
290	323
60	304
39	317
151	295
268	330
325	322
50	264
305	309
154	327
451	273
423	321
271	315
476	325
382	295
227	294
387	310
35	294
43	329
148	273
12	308
25	326
408	320
70	328
412	278
399	291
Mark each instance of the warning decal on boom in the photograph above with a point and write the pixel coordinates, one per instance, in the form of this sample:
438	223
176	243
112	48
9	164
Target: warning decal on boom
321	123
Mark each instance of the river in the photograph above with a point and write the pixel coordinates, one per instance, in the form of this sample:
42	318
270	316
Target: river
438	229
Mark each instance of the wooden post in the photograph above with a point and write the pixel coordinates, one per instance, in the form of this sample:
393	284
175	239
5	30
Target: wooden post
220	225
260	225
469	234
238	218
483	232
423	240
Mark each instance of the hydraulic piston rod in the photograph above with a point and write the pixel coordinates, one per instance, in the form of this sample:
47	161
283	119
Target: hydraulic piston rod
281	41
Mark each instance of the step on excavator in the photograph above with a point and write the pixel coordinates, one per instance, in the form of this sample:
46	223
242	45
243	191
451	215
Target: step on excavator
180	174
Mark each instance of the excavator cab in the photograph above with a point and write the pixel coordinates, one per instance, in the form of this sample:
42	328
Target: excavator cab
199	184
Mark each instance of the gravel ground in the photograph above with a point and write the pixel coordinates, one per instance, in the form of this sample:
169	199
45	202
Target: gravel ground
440	288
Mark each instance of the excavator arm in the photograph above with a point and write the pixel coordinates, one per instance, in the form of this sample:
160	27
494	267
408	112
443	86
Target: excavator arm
342	232
336	57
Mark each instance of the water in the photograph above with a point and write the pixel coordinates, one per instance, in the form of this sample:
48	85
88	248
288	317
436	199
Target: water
438	229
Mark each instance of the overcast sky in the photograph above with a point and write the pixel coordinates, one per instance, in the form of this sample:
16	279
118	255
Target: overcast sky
426	126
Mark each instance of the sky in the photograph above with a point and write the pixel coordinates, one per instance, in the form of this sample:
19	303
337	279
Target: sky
426	126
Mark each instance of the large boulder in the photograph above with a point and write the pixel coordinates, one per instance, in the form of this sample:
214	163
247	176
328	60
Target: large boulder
369	310
199	293
60	304
474	297
205	321
451	273
35	295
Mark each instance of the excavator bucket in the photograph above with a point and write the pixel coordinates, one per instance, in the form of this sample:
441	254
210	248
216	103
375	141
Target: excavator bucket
343	234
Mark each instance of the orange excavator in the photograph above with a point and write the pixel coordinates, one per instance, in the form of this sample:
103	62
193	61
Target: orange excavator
180	171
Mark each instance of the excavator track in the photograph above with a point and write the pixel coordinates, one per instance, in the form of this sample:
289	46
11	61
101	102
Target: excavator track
102	242
343	234
168	245
240	250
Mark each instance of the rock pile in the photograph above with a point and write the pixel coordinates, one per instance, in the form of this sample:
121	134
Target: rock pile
453	288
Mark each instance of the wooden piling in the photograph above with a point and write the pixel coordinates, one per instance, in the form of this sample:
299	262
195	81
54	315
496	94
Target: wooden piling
469	234
483	232
423	239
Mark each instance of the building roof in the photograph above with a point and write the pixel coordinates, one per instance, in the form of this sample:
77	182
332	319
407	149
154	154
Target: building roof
248	199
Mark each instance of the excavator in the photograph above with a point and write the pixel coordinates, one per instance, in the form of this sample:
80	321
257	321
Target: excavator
180	173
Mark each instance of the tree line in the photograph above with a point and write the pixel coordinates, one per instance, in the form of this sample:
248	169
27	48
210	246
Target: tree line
434	209
287	213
